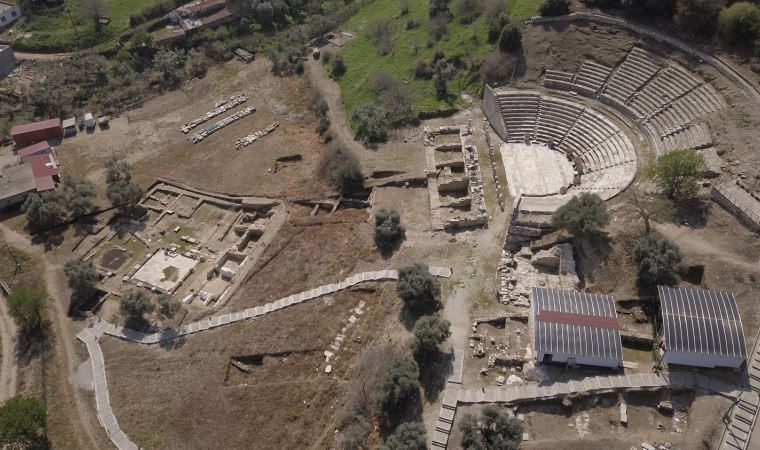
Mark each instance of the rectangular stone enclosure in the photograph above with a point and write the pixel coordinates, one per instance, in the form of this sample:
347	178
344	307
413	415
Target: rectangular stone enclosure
165	270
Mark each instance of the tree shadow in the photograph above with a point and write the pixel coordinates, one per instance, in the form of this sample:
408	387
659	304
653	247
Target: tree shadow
49	239
387	253
434	372
590	252
170	340
411	411
693	213
32	343
84	226
409	316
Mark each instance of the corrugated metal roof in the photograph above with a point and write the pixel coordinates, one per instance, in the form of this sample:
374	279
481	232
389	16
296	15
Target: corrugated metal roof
32	149
34	126
576	323
701	321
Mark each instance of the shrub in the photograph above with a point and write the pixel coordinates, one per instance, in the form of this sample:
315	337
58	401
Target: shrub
677	173
121	191
494	430
417	287
43	211
381	82
135	304
429	333
77	193
468	10
388	229
698	17
497	68
339	66
585	214
439	7
659	261
423	69
168	307
407	436
355	436
22	421
394	97
412	23
403	7
496	23
380	33
25	305
82	278
510	38
439	26
739	24
443	72
371	123
349	177
400	384
551	8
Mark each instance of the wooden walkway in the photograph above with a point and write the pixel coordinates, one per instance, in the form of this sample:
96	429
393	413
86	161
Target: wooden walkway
742	418
100	327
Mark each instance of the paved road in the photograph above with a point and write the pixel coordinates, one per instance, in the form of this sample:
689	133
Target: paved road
9	367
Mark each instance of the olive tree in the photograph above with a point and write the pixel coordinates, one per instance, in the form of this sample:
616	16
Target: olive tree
135	304
388	229
659	261
417	287
584	215
400	384
677	173
407	436
22	421
429	333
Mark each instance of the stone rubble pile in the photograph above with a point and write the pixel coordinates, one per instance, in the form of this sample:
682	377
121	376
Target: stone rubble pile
340	337
253	137
219	108
211	129
520	272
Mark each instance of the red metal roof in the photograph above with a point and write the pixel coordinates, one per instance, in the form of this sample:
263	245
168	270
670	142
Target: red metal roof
577	319
44	184
35	126
32	149
42	166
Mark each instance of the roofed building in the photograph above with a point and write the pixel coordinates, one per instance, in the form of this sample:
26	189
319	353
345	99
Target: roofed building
576	328
701	328
33	132
9	13
39	148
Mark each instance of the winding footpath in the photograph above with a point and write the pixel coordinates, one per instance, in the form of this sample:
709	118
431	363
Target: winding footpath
9	366
99	327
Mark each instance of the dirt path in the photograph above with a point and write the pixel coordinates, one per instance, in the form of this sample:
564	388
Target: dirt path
337	113
63	342
704	243
9	367
42	56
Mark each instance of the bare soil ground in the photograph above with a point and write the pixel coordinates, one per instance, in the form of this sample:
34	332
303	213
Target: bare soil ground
594	423
191	397
150	139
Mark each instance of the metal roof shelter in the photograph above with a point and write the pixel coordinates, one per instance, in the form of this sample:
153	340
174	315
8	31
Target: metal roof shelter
701	328
576	328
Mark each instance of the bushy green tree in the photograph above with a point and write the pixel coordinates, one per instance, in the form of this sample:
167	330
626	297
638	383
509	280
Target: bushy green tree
135	304
496	19
77	196
438	7
82	278
510	38
400	384
677	173
493	430
44	210
388	229
407	436
25	305
121	191
22	421
584	215
356	434
338	66
550	8
429	333
167	64
659	261
417	287
739	24
468	10
168	307
698	17
349	177
443	72
371	123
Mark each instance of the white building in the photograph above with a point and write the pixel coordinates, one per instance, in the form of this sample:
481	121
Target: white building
701	328
576	328
9	13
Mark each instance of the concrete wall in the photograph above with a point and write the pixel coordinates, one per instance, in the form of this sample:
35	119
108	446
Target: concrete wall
14	200
697	360
599	362
9	15
7	60
491	110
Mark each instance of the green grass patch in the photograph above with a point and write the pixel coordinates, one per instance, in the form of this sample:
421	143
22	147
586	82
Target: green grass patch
51	29
468	42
